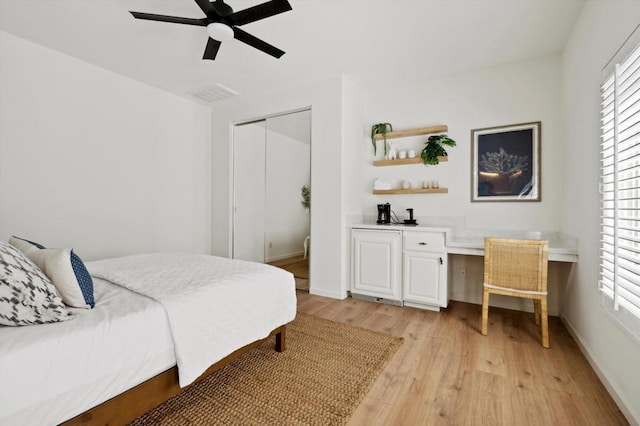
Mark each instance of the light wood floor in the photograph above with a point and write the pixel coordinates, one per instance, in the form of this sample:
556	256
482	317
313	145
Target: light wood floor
446	372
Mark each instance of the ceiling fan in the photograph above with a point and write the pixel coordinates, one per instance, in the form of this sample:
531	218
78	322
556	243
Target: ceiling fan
222	23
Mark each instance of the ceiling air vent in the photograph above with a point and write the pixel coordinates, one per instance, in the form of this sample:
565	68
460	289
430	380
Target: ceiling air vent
214	94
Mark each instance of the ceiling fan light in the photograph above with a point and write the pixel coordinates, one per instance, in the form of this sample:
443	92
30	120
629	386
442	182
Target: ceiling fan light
219	31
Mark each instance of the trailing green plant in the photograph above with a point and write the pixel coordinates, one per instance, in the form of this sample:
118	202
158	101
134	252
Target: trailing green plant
380	129
305	191
434	149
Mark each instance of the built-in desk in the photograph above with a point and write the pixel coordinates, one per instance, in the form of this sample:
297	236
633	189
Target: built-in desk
456	265
561	247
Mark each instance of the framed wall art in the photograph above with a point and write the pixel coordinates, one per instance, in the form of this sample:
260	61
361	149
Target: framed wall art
505	163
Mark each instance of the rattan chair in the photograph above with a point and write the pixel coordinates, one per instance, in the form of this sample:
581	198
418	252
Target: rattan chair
517	268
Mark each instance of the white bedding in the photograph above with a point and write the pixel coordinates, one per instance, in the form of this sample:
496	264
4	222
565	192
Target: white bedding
214	305
52	372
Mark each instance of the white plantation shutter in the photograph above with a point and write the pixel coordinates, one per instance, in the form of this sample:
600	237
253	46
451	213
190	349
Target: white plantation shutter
607	190
619	278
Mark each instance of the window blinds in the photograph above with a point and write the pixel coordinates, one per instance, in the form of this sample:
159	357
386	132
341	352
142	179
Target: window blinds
620	185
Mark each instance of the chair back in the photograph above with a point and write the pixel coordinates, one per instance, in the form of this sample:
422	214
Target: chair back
520	265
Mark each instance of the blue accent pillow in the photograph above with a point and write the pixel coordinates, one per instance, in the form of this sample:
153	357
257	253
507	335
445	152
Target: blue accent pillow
84	278
64	268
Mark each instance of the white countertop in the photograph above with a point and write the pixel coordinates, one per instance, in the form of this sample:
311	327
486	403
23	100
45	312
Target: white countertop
401	227
458	240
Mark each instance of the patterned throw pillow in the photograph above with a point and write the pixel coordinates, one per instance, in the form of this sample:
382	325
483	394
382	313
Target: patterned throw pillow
26	294
64	268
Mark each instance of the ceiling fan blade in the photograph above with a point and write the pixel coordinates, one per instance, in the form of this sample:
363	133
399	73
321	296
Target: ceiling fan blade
207	7
260	11
173	19
252	41
221	8
211	50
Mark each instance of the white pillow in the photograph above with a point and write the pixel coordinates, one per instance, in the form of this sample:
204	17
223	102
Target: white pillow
26	294
64	268
24	245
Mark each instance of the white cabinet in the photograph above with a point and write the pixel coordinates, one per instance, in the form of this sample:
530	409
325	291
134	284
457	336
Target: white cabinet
408	266
424	282
376	263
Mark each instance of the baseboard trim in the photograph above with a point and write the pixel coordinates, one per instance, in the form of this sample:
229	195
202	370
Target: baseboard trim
632	418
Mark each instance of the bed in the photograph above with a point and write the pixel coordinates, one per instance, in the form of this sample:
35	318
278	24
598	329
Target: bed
160	322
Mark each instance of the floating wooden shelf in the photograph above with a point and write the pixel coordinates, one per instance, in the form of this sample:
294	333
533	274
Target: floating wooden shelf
400	162
411	191
413	132
415	160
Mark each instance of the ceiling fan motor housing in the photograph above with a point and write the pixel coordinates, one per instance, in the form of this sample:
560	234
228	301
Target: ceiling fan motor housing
219	31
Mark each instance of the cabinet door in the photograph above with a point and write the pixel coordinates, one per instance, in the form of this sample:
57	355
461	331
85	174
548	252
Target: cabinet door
375	263
423	277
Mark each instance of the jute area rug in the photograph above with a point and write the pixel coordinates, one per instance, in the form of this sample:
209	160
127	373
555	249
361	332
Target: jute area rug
321	377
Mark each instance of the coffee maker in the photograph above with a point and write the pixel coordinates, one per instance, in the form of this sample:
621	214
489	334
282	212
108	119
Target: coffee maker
384	213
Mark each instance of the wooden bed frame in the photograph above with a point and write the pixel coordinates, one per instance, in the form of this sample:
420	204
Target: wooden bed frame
138	400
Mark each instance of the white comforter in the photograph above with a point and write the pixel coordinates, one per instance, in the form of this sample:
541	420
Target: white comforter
214	305
50	373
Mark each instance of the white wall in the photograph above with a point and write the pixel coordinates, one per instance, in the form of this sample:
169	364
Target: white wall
600	31
354	128
509	94
98	162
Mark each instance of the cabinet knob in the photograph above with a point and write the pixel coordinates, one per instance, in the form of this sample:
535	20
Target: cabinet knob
422	243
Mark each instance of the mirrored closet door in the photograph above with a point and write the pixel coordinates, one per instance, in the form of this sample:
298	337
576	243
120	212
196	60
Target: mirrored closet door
271	166
249	153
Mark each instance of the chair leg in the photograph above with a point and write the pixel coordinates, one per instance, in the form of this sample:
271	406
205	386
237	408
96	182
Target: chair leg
536	310
485	310
545	322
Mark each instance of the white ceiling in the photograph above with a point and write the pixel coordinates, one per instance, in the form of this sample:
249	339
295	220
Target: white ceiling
387	42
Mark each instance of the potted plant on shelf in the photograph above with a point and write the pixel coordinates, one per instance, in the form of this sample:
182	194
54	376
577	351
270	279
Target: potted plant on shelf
434	149
380	129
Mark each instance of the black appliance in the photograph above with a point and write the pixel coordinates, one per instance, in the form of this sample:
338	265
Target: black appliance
411	220
384	213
